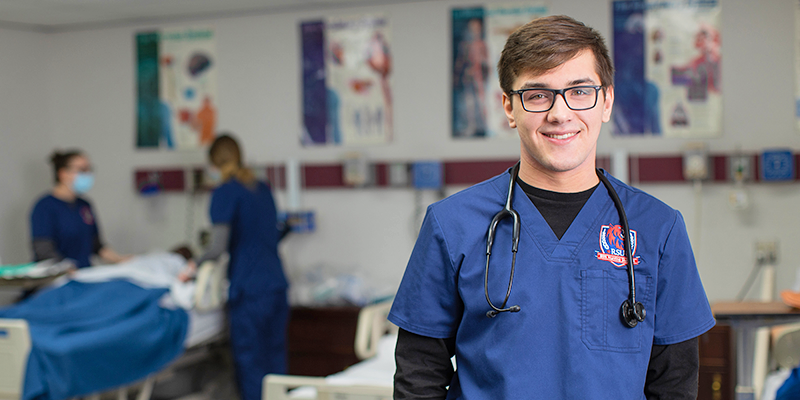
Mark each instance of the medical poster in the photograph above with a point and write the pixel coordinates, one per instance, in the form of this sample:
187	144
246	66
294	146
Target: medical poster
479	35
667	56
797	62
176	88
347	66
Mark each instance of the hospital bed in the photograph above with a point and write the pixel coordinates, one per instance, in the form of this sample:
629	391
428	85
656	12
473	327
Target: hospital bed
206	326
370	379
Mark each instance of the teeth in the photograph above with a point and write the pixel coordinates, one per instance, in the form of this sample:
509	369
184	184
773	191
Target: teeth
564	136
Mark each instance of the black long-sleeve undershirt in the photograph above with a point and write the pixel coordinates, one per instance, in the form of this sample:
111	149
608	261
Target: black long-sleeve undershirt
424	369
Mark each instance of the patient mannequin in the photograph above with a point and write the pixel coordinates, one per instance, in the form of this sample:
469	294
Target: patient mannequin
154	269
190	271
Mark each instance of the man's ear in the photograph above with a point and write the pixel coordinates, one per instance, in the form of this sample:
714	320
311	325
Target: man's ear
508	107
608	103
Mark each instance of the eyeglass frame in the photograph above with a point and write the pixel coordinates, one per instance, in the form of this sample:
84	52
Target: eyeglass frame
556	92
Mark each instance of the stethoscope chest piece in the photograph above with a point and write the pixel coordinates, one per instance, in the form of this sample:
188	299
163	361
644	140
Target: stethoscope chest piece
631	316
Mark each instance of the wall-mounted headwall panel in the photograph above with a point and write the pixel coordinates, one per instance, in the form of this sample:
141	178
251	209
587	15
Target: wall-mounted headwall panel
642	170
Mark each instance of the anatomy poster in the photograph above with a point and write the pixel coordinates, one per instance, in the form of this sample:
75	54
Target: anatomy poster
176	88
667	56
797	62
479	34
347	67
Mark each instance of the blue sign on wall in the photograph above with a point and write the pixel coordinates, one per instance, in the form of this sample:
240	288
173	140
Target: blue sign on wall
777	165
427	175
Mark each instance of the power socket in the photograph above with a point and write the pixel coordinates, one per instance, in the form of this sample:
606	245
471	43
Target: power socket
695	162
740	168
767	252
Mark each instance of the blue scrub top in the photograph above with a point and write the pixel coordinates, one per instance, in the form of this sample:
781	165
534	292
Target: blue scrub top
254	265
568	341
71	226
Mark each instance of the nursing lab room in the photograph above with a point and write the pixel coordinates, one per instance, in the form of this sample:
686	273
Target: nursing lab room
329	199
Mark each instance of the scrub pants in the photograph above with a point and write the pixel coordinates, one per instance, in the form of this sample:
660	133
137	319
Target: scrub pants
258	340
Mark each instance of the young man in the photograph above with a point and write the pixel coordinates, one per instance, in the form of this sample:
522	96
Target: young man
565	335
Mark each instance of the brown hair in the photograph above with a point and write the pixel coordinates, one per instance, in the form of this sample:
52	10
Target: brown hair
226	155
61	160
184	251
547	42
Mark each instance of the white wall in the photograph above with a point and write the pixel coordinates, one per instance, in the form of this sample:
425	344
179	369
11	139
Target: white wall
89	96
23	171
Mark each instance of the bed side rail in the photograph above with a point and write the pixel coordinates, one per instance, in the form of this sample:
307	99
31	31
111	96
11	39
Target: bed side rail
15	345
211	287
276	387
372	325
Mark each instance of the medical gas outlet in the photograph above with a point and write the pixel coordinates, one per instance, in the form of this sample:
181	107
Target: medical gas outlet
695	162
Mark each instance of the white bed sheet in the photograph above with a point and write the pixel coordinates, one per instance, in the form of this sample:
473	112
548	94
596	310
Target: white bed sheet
376	371
160	270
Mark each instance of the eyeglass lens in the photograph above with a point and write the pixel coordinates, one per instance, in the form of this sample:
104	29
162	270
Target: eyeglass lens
577	98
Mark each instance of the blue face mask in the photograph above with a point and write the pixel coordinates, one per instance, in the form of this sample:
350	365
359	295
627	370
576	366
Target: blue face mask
83	182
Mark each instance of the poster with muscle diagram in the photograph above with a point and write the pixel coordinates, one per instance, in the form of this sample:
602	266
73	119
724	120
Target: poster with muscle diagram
667	56
347	70
479	34
176	88
797	62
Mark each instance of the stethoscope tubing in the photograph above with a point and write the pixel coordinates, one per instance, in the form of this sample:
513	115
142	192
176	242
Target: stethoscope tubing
632	312
507	211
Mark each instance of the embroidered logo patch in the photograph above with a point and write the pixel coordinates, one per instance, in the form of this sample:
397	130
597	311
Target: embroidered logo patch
612	246
87	216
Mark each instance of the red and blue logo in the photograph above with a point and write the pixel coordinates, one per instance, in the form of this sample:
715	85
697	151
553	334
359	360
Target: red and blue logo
612	246
86	215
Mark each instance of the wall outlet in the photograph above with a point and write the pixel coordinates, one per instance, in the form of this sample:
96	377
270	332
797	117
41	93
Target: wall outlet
695	162
398	174
740	168
767	252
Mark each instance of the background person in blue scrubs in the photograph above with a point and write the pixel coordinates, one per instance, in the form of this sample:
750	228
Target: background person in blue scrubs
63	224
244	220
564	336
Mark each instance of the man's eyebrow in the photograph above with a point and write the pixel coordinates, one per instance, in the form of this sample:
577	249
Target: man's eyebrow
533	85
582	81
576	82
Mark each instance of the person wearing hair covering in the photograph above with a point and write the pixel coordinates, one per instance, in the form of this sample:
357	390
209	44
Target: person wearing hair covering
244	223
63	224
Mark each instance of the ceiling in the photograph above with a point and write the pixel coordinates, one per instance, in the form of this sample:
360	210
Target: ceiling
61	15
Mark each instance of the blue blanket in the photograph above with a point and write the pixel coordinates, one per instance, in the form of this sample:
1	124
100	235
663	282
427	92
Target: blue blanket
88	337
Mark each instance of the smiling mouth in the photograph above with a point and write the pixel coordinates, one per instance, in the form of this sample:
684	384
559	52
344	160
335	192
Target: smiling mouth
561	136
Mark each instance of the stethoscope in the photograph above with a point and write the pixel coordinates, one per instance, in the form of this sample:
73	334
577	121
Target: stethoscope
632	311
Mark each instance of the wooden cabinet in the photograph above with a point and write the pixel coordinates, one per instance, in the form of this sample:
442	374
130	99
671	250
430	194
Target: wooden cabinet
322	340
717	364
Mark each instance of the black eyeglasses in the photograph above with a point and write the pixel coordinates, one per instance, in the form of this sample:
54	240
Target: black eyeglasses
577	98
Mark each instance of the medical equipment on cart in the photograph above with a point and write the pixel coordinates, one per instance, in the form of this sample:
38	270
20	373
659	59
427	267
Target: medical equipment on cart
632	311
33	275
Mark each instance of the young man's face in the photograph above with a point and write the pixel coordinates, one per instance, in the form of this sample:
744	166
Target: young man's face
560	141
